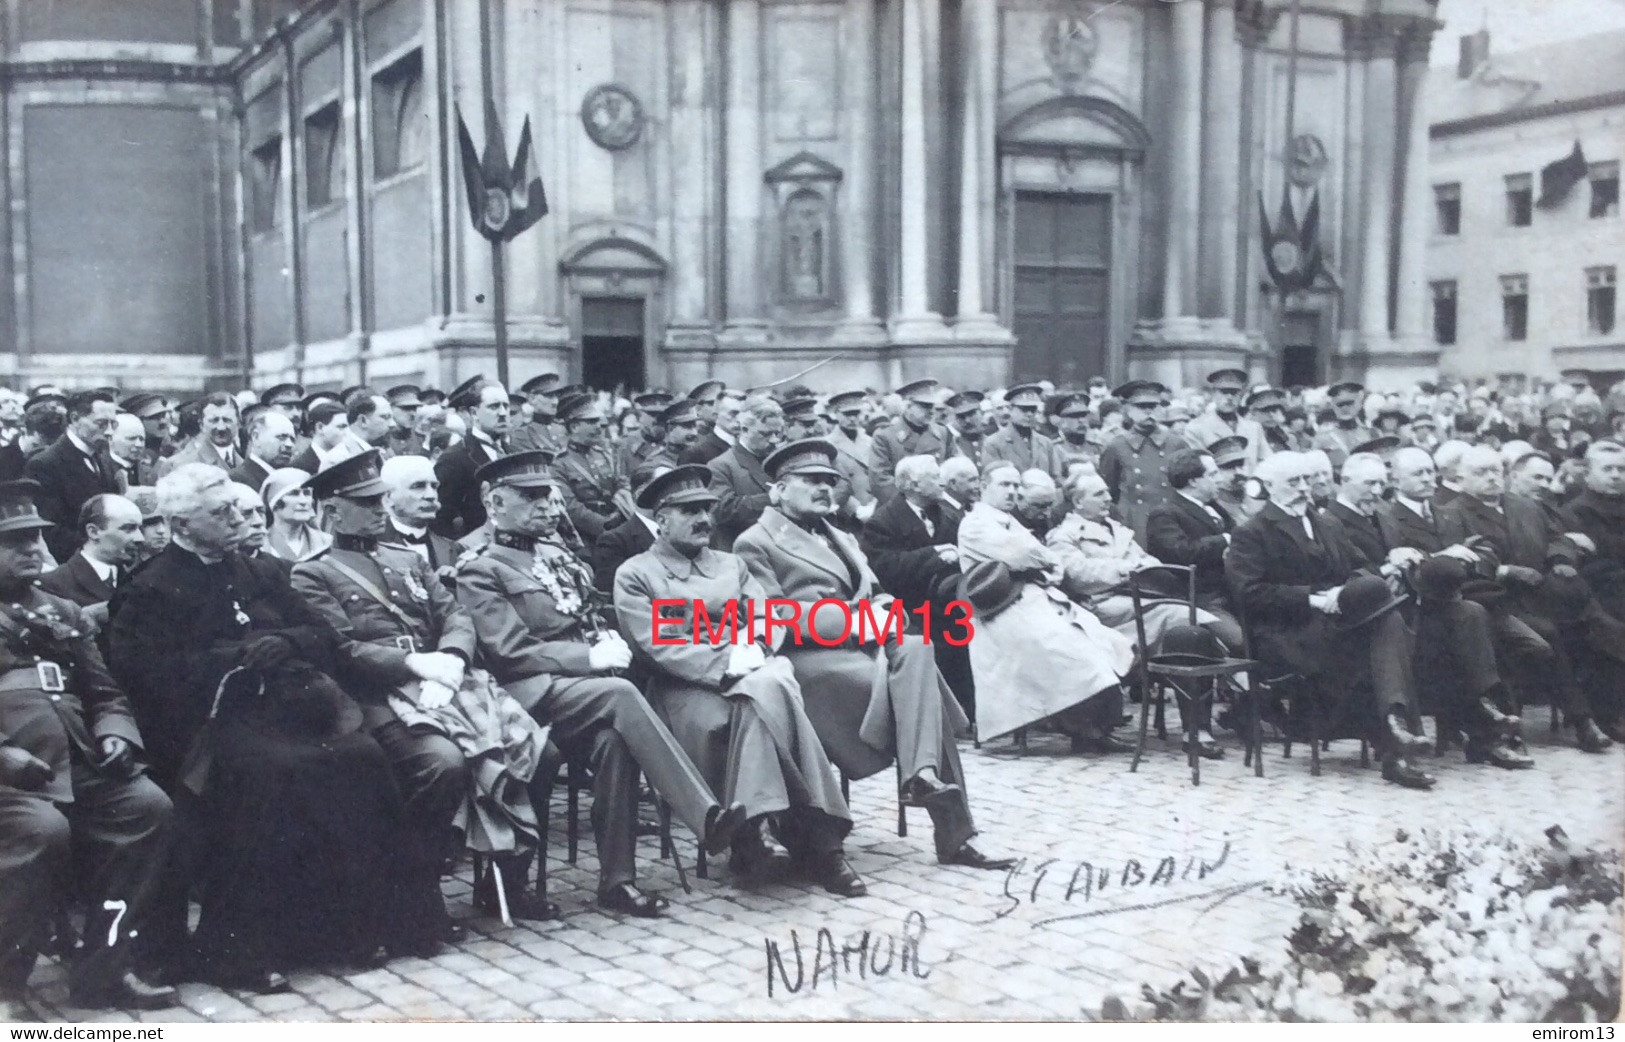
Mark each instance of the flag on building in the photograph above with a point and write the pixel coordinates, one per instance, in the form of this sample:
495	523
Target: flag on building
1559	178
503	199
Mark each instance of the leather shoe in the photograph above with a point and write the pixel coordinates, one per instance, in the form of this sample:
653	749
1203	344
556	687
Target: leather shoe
1503	722
1207	749
522	904
1402	772
131	992
1499	754
927	790
1614	729
758	854
1403	736
837	876
627	899
722	824
1591	738
969	857
262	982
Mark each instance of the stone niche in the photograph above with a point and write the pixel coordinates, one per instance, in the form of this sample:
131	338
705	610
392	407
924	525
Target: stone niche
805	252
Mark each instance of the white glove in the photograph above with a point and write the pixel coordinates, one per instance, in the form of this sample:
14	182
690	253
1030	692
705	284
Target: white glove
1582	540
864	511
1460	553
437	666
609	653
948	554
1404	556
432	695
1325	602
744	659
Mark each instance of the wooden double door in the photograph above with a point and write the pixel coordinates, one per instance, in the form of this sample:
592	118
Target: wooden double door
1062	251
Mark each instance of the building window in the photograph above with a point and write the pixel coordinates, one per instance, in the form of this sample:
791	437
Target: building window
1520	200
1515	307
1444	312
1447	209
1604	189
324	156
265	186
1600	300
398	127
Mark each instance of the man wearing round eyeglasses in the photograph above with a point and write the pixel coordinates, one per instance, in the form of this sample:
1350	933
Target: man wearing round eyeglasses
1223	418
1348	427
598	495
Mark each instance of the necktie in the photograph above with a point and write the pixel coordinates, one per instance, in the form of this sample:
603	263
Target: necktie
1427	512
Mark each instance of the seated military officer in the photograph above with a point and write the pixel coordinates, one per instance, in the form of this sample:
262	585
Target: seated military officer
870	707
597	493
407	651
536	615
69	785
737	711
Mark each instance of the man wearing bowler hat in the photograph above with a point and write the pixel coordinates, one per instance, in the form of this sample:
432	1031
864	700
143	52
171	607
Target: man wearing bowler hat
543	637
74	801
1134	463
914	433
544	430
735	707
1021	443
1223	418
874	701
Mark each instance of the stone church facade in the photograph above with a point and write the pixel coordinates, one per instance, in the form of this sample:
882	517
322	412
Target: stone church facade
979	190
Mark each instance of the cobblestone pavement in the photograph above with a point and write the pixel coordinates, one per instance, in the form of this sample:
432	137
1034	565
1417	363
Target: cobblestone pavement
1183	871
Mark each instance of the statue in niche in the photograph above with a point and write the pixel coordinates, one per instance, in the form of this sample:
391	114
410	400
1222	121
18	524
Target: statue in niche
804	242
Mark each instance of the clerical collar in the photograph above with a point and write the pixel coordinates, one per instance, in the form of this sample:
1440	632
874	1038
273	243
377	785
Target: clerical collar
364	544
515	540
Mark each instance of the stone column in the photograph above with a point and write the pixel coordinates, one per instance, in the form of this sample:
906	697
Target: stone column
1221	162
914	320
744	169
857	187
1377	193
1184	160
1411	303
979	27
691	151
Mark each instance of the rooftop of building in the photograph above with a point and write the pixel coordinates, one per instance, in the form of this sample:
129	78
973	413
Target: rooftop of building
1502	88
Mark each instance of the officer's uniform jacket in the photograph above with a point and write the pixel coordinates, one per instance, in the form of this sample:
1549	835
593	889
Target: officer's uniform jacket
405	443
1209	427
532	612
1026	451
55	721
592	477
1134	467
970	445
634	451
533	436
377	640
1067	453
898	440
1338	441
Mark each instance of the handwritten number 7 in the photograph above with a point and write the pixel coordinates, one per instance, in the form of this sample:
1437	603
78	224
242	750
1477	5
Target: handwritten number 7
112	931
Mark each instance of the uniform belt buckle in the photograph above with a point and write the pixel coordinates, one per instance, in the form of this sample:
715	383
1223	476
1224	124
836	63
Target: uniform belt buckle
407	643
50	677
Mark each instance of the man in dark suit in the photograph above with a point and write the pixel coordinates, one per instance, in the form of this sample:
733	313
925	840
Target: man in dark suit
718	411
74	805
74	468
1599	512
631	537
271	439
738	477
1537	565
912	543
1189	530
412	500
114	543
1295	578
1359	493
486	407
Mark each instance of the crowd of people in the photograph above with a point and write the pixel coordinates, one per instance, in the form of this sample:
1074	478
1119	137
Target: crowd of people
287	656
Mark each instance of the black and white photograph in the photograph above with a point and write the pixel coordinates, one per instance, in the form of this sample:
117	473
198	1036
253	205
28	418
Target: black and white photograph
1081	511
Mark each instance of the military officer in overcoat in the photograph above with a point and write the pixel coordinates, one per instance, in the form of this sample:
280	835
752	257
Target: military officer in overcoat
912	434
1022	443
873	699
1223	419
405	637
967	425
541	636
599	493
1134	463
74	802
1348	428
1070	413
736	709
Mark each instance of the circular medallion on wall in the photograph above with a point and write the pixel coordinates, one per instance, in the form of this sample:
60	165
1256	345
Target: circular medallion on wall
1306	160
612	116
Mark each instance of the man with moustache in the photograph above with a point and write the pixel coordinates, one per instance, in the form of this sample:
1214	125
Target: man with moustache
1135	462
412	500
734	706
877	702
966	423
216	440
679	424
1021	443
542	637
1070	413
271	441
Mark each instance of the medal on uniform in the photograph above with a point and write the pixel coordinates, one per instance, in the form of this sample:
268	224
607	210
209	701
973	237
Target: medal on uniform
415	588
242	616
